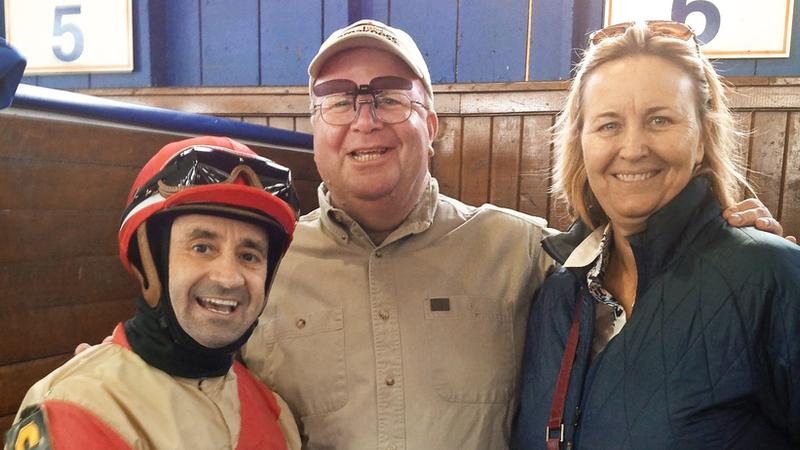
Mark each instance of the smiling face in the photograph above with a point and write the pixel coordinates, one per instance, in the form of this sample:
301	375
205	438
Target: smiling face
368	160
217	275
641	137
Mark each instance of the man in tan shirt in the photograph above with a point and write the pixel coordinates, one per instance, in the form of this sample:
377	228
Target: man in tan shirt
206	225
397	318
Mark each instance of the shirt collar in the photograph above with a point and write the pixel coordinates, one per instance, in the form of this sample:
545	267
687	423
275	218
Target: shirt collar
587	251
419	219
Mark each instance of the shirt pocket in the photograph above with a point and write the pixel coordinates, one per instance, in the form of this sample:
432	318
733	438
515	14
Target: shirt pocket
308	360
471	347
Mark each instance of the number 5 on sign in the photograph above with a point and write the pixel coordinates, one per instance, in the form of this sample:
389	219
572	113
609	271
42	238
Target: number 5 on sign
727	29
71	36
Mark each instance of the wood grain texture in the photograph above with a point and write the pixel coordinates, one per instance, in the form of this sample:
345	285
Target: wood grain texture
64	185
504	175
446	163
57	234
767	155
478	104
534	170
741	153
42	332
64	281
6	421
790	201
285	123
476	160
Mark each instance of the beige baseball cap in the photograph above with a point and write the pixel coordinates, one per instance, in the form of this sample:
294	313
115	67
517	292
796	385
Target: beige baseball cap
374	34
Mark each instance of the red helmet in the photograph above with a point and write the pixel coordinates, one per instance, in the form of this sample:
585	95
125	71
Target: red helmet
216	175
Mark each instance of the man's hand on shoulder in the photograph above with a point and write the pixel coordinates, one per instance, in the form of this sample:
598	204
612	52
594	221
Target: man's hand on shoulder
751	212
84	346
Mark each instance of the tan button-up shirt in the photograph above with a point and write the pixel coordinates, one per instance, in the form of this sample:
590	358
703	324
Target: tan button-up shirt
411	344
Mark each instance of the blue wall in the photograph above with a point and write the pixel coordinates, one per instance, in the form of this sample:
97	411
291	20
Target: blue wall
270	42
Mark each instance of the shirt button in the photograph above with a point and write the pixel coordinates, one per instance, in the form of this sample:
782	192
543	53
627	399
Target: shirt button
378	253
389	381
300	323
384	315
343	237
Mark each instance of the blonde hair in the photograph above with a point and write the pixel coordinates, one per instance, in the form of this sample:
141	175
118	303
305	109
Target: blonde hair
718	132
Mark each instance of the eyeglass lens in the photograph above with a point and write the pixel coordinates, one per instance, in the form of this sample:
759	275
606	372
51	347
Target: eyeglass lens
340	104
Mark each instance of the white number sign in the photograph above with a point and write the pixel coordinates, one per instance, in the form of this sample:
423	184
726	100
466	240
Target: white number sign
69	36
726	29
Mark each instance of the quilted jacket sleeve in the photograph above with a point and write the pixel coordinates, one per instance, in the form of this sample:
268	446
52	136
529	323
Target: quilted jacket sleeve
783	342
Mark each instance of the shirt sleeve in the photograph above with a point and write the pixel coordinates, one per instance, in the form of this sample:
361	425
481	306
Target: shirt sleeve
60	425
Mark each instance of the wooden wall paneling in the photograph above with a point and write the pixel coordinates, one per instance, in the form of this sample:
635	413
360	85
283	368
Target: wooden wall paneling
512	102
476	159
218	101
504	175
25	138
256	120
62	281
57	233
741	153
285	123
534	171
63	185
446	164
29	333
290	37
307	194
16	379
492	41
228	36
790	200
6	421
437	43
766	97
302	124
557	213
767	155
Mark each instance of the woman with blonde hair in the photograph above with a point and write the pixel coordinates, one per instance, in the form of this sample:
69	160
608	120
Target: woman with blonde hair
664	328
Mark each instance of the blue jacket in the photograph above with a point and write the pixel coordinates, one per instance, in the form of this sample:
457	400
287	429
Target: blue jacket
709	359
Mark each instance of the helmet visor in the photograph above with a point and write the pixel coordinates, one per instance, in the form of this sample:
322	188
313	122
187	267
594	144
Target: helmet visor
203	165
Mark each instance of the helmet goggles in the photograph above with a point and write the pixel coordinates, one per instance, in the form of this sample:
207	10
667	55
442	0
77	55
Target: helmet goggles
205	165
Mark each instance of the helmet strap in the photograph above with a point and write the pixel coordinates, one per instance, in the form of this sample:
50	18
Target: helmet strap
151	286
247	173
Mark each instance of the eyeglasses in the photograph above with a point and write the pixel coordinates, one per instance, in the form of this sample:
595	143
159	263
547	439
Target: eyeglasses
201	165
677	30
344	106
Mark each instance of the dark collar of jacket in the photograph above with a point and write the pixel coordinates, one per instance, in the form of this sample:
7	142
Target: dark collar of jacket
667	236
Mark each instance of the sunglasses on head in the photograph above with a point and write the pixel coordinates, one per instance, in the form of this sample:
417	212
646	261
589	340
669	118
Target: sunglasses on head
668	28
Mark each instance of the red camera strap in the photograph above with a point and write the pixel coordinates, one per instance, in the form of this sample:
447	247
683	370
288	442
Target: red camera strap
555	423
